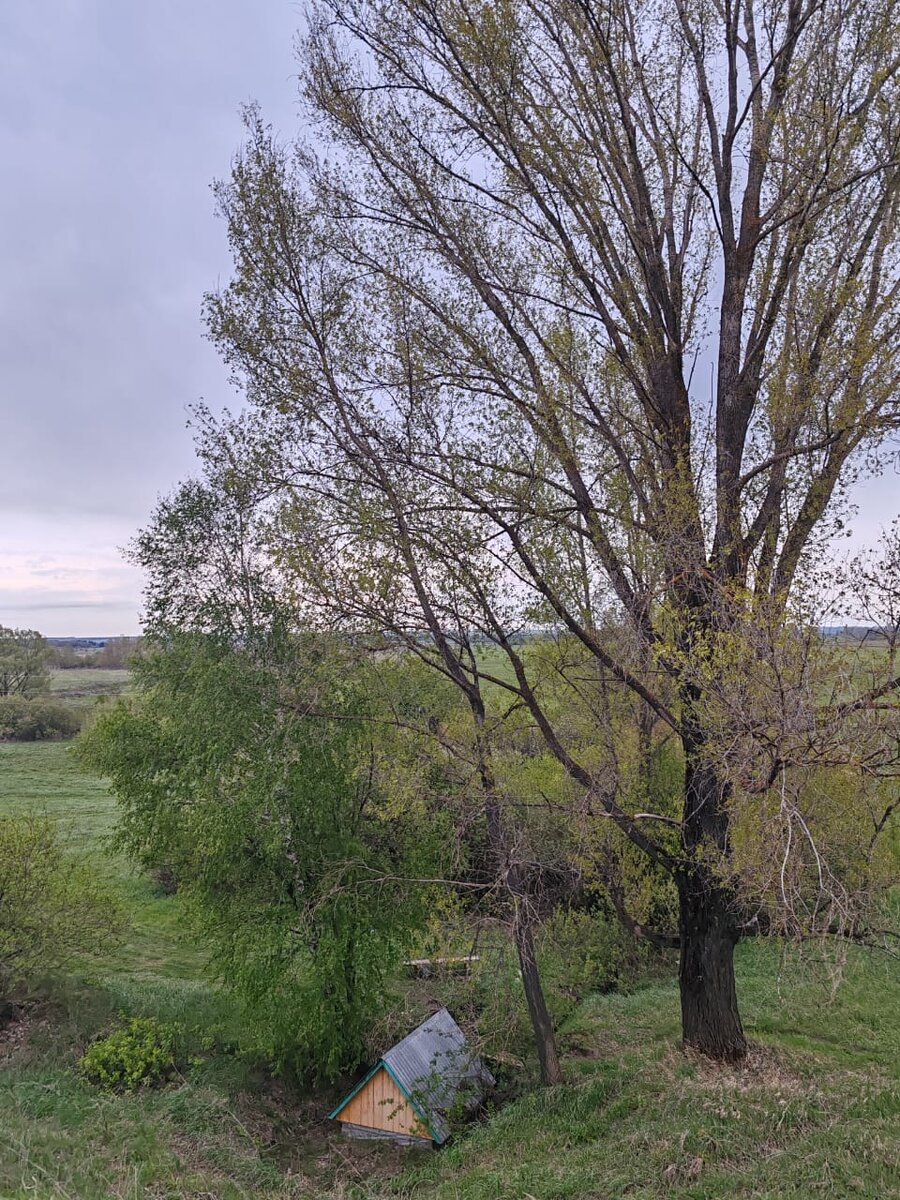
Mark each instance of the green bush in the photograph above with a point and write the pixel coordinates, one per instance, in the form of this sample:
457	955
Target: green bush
24	720
583	952
140	1054
52	905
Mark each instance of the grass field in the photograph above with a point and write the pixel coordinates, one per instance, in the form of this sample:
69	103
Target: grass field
88	681
815	1112
82	687
44	778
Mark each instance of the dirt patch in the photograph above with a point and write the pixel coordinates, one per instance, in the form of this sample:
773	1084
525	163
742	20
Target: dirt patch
18	1023
764	1069
312	1155
588	1053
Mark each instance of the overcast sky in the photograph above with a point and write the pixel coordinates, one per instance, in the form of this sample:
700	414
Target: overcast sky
115	116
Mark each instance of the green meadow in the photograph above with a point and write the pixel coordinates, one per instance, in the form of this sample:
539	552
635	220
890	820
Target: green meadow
815	1112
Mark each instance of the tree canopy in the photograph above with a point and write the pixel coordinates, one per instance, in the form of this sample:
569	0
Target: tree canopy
24	655
580	319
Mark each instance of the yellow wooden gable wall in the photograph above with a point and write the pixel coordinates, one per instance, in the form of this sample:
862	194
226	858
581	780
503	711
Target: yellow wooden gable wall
381	1105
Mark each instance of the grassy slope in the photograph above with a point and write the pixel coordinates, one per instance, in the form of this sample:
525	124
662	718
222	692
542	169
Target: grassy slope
42	777
814	1114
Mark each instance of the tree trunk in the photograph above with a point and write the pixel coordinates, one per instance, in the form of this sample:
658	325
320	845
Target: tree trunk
541	1023
508	868
710	1019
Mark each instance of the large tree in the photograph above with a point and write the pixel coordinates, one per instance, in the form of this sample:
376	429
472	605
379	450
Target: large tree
578	308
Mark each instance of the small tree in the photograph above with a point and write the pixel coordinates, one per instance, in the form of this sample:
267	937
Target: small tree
24	655
287	856
52	906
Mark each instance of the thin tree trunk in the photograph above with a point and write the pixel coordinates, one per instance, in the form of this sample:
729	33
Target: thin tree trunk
523	931
541	1022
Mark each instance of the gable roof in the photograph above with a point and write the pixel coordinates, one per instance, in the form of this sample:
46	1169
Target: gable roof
431	1066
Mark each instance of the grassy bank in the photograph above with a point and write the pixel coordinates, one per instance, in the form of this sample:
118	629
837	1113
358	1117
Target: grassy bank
815	1112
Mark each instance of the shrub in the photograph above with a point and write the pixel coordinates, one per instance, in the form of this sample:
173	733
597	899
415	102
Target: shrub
140	1054
589	951
53	906
24	720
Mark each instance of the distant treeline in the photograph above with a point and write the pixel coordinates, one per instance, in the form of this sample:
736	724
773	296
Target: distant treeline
112	653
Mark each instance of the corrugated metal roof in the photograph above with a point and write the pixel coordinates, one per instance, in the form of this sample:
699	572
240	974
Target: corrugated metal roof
435	1066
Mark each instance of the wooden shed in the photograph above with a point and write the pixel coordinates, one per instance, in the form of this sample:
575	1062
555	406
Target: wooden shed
407	1094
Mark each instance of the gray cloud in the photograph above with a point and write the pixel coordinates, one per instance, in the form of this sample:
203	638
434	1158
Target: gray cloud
115	117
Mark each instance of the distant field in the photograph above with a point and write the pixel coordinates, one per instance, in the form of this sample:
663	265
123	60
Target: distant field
89	681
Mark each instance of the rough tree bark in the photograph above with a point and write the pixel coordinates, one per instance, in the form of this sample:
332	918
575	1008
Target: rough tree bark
708	925
710	1019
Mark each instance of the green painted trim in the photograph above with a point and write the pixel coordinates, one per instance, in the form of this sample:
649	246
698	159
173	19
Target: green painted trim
416	1106
362	1083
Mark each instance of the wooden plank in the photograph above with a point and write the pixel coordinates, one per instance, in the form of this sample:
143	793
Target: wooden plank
426	967
428	962
381	1105
404	1139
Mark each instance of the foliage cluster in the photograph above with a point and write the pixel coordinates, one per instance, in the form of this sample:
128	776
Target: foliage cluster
582	952
52	905
142	1053
586	952
24	656
24	719
299	875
